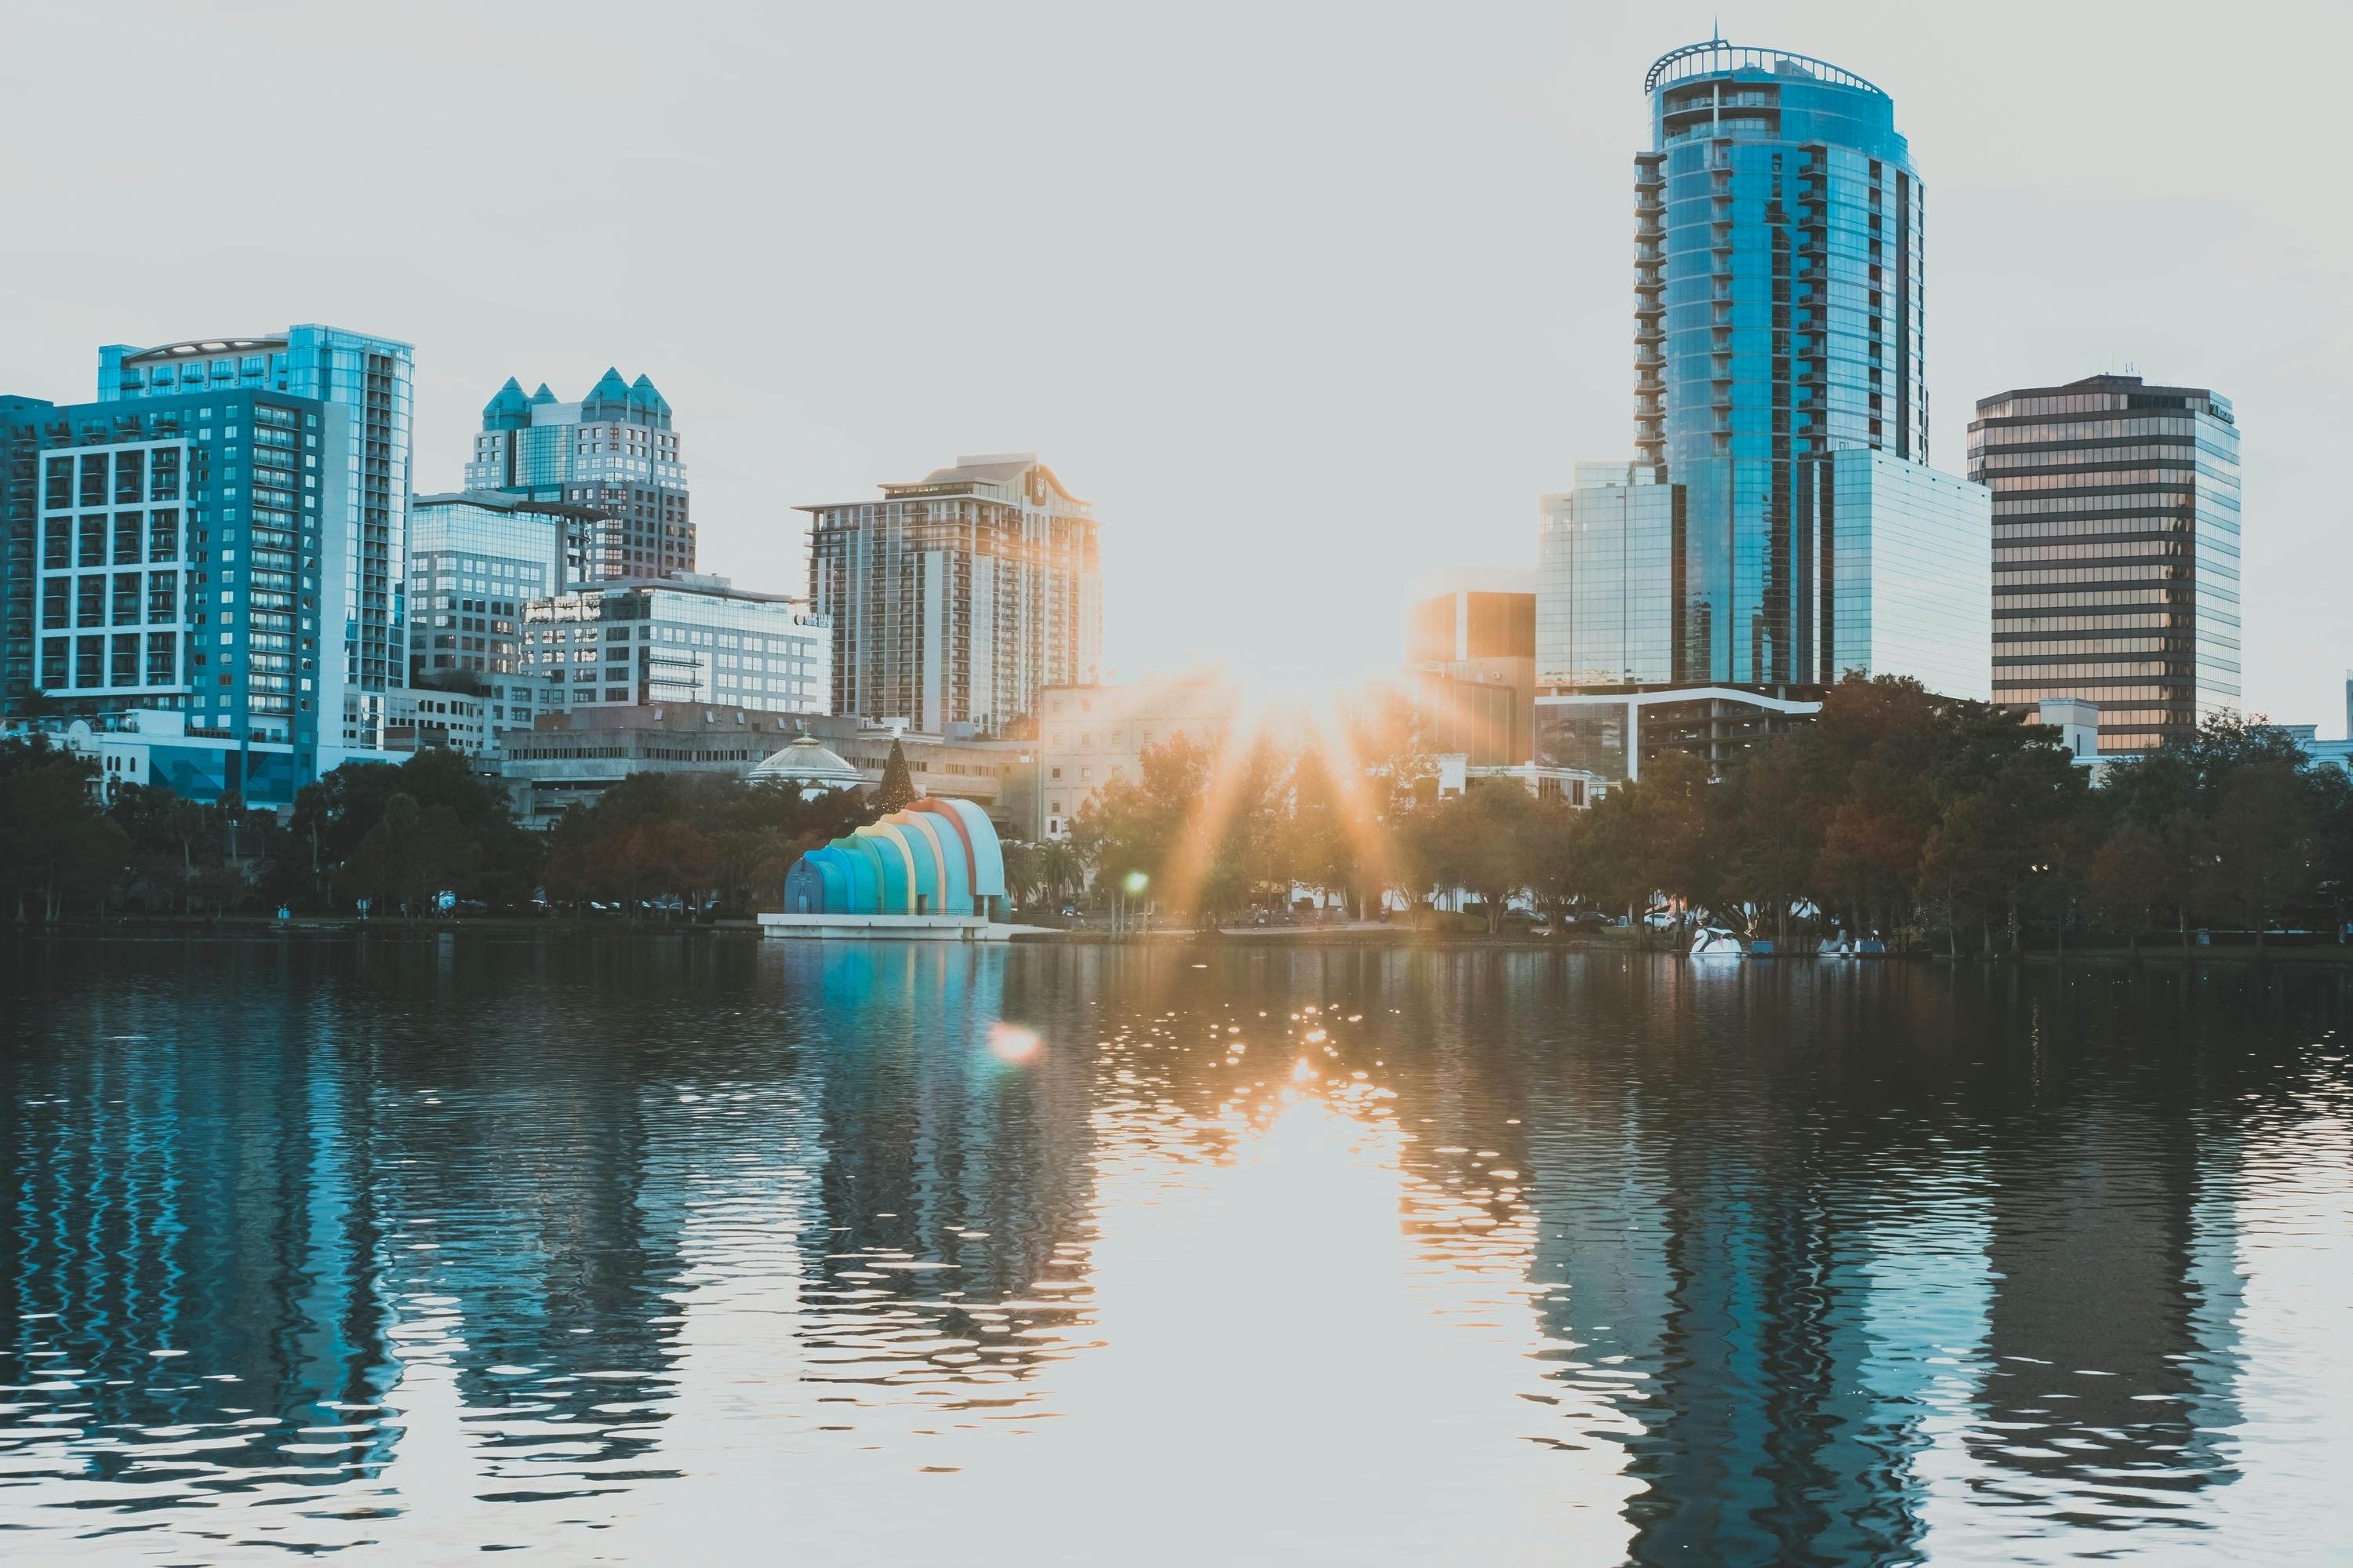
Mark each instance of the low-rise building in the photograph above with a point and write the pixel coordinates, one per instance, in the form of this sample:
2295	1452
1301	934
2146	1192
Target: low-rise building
958	766
157	745
424	719
573	757
1087	736
1612	732
1458	775
1470	646
684	638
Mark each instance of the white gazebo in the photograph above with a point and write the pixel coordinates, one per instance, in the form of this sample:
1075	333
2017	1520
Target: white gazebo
807	764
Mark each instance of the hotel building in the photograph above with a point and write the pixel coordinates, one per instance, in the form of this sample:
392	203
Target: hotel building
359	471
954	599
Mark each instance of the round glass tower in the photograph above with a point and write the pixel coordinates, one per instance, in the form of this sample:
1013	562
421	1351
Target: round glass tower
1778	265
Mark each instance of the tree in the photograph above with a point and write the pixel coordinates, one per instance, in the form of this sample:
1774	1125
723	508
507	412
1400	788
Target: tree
2263	839
54	837
1496	825
412	855
1770	866
2129	874
1323	828
897	792
1057	866
1962	866
1152	823
745	857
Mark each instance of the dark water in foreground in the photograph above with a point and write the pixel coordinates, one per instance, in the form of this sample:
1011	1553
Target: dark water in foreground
705	1252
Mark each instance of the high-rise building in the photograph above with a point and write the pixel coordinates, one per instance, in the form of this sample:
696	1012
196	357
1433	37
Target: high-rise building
2115	551
217	536
1779	527
475	559
614	451
954	598
1778	272
362	463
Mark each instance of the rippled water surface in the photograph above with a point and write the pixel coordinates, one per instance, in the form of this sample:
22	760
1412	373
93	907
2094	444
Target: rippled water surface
706	1252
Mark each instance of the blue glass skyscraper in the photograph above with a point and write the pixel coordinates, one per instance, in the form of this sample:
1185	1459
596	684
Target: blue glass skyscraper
1795	533
1777	272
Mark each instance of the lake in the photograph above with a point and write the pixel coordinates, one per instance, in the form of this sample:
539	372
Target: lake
696	1249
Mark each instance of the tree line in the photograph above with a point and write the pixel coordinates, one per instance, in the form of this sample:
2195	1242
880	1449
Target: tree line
1926	819
394	838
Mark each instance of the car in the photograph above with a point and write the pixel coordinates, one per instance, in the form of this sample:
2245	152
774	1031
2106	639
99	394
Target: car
1070	911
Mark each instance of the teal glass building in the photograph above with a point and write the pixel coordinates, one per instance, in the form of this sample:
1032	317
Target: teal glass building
1779	527
363	460
1777	272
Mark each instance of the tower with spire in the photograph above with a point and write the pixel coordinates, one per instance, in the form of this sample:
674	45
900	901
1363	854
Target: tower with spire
615	451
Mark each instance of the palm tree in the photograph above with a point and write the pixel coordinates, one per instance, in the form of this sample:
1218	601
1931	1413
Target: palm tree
1021	872
1058	866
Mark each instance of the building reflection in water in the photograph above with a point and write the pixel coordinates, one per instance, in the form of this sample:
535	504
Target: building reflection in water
1828	1264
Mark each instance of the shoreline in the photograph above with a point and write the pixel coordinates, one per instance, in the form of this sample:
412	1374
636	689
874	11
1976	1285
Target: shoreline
1362	935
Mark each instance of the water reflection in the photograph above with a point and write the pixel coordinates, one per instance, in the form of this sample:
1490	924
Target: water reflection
1363	1256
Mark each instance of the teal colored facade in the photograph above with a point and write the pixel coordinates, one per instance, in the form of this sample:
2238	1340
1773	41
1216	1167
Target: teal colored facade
1779	527
615	452
1778	323
353	482
937	857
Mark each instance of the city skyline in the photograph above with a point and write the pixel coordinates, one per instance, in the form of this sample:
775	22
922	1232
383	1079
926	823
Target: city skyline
1502	367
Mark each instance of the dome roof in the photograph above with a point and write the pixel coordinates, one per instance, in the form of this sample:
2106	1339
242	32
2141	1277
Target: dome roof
807	762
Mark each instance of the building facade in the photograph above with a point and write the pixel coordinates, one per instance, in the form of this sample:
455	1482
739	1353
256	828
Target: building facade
955	600
684	638
1777	270
571	758
1611	734
2115	552
615	451
1779	527
1471	644
181	563
365	456
154	746
1088	736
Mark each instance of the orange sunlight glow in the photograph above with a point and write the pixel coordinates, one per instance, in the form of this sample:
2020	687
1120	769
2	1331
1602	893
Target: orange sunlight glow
1290	725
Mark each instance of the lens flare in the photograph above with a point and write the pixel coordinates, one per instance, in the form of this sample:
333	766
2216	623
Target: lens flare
1012	1043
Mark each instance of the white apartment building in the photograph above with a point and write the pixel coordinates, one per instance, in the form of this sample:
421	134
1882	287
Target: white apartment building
682	639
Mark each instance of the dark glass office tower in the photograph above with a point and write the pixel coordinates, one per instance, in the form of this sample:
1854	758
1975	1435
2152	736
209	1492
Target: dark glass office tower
2115	551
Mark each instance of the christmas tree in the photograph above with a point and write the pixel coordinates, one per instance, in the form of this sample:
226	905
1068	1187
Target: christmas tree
898	788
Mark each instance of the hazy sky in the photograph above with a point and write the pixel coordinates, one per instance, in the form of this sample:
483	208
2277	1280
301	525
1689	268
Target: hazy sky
1308	299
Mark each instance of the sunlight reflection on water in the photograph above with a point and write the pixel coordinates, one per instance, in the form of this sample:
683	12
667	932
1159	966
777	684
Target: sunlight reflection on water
633	1250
